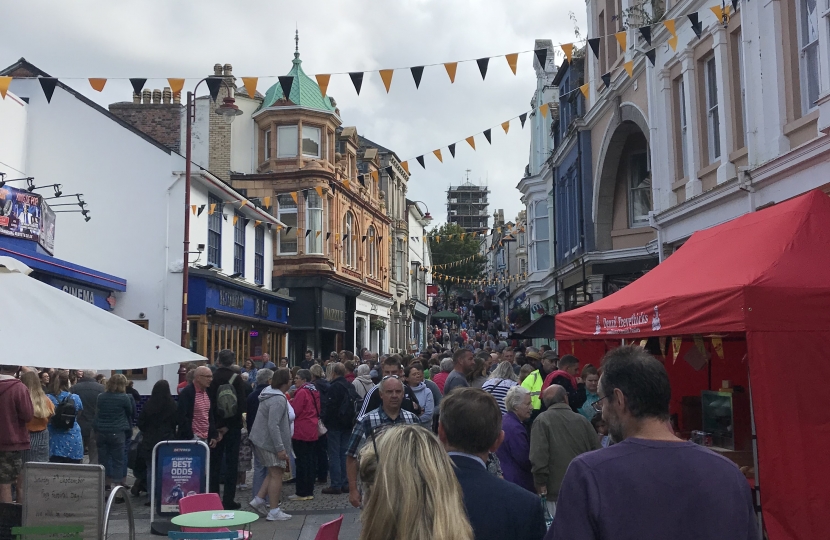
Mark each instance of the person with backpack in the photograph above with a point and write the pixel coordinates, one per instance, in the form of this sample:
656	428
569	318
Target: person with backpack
66	444
338	411
115	409
227	398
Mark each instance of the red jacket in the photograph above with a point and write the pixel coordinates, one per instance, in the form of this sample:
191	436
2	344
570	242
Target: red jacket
15	412
440	379
306	403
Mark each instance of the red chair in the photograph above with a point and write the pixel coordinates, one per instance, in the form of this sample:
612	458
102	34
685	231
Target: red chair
202	502
330	530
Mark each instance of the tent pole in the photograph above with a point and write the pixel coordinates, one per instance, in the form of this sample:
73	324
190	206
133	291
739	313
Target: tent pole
757	493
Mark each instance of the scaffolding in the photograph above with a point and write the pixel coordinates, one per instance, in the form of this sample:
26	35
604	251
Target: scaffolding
467	207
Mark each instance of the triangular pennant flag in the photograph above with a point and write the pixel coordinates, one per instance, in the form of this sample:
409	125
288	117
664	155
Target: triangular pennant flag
452	149
319	190
606	79
405	165
421	162
629	68
451	67
235	219
386	77
541	56
544	110
671	25
346	183
225	217
505	126
734	5
482	66
512	60
357	80
294	196
214	84
244	204
438	155
389	170
212	209
307	232
568	49
594	43
288	230
721	13
488	135
584	89
645	31
266	201
176	85
522	118
4	85
250	85
286	82
672	41
257	222
97	84
364	238
651	55
328	235
201	209
417	73
48	85
193	208
621	39
471	141
676	342
318	233
138	85
323	82
717	344
374	175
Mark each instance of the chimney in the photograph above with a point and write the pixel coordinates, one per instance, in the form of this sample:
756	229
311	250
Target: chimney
156	97
166	95
162	122
217	70
146	96
136	98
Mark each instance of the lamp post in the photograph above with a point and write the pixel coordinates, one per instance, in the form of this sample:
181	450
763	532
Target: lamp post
229	110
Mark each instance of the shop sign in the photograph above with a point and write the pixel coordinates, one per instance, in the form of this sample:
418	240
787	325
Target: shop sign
432	291
180	469
333	311
628	324
231	298
98	297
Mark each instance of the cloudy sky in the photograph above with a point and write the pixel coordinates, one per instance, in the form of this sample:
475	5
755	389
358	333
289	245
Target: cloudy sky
185	38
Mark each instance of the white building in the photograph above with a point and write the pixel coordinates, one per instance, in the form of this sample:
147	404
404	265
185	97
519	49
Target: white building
420	263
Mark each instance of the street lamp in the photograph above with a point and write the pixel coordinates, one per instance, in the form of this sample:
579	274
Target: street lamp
427	216
229	111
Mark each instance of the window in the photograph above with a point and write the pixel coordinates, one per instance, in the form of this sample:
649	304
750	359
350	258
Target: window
348	240
314	223
808	45
239	245
740	106
267	144
311	141
541	235
712	116
371	253
287	141
683	126
639	189
287	214
522	266
259	255
214	256
401	262
521	237
414	290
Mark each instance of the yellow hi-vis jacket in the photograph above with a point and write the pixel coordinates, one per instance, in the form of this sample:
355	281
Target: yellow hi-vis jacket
533	382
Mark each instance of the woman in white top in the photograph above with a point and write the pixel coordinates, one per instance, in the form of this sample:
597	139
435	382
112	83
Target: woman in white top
501	380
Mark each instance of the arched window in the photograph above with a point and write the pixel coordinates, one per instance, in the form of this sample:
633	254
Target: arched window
348	226
371	252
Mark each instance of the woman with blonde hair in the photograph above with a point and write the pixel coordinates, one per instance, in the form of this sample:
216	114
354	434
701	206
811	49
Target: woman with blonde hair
44	410
422	501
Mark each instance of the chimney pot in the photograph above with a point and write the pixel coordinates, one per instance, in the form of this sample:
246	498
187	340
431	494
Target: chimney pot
166	95
217	69
177	98
146	96
156	97
228	70
136	98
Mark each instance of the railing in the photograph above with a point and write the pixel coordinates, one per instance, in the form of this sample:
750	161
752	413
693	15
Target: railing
108	509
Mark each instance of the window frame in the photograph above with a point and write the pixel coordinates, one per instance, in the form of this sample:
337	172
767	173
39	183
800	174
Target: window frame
371	252
683	127
313	239
737	43
267	140
348	237
537	241
285	129
632	221
239	230
710	88
214	236
283	211
804	50
259	255
319	141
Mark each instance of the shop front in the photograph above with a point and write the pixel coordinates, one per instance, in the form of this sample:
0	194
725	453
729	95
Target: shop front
224	313
418	338
372	322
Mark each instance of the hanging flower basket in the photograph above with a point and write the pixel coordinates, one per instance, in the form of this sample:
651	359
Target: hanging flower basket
377	324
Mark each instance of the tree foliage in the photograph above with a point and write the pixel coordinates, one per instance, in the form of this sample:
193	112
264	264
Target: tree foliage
451	248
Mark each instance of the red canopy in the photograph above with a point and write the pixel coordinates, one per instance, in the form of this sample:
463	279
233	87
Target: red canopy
766	274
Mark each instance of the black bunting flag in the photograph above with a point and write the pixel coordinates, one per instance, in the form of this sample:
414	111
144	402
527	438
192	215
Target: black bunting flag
606	79
328	235
287	81
307	231
245	221
421	162
734	6
357	80
650	54
482	66
646	32
48	84
201	209
541	56
452	149
594	43
214	84
389	170
417	72
345	236
487	135
364	238
138	85
696	26
522	118
225	217
288	230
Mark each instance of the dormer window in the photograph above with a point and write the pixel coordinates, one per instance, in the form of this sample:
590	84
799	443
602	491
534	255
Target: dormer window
311	142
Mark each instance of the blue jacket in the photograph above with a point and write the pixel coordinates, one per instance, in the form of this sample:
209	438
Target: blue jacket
519	515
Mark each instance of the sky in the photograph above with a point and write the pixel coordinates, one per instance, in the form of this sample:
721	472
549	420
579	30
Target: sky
156	39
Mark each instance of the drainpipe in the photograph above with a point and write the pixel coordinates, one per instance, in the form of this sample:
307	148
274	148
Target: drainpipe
585	293
652	222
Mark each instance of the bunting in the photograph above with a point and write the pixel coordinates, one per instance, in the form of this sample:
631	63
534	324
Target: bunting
487	135
512	61
323	82
451	148
176	85
584	89
568	49
451	67
594	44
506	126
438	155
421	162
286	82
621	39
544	110
319	190
482	66
48	85
417	73
386	77
250	86
294	196
357	80
214	84
471	141
4	86
97	84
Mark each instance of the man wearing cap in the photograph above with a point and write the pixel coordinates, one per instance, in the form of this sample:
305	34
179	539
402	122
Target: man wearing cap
536	379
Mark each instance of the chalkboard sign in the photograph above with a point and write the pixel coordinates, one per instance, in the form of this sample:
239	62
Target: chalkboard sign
64	494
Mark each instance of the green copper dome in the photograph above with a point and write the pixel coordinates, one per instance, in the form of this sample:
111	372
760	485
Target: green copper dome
304	91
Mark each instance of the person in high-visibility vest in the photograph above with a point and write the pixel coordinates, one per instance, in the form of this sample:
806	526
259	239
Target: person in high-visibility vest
536	379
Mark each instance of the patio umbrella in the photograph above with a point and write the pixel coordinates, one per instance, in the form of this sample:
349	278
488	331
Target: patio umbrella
46	327
446	315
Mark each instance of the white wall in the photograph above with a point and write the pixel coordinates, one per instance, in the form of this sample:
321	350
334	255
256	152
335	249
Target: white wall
244	137
13	135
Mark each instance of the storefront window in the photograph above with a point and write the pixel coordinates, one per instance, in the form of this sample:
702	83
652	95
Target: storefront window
214	255
314	223
287	213
360	331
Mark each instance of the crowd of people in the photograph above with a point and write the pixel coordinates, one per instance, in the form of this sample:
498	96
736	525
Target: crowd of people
473	437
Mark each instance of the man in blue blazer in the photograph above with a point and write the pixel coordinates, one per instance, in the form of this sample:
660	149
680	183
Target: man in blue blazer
469	428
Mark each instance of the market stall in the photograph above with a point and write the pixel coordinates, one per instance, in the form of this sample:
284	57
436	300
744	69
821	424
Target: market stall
746	301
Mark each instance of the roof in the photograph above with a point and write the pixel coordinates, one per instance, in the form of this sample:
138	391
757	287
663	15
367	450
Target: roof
304	91
364	142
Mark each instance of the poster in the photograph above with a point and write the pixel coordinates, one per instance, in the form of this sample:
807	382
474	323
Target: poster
47	232
20	213
181	470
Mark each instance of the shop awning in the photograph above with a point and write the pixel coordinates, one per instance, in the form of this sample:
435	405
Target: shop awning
45	327
446	315
543	328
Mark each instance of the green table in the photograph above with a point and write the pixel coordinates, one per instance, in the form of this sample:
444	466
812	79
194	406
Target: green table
204	520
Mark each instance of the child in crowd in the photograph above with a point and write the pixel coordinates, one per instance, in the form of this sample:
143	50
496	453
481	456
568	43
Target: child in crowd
602	430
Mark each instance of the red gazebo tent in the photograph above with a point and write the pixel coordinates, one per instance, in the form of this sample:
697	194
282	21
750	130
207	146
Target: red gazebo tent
764	276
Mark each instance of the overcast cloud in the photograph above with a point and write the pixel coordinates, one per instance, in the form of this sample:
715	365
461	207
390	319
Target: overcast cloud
176	38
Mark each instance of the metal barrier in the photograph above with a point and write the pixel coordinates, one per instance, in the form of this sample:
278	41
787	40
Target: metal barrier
108	509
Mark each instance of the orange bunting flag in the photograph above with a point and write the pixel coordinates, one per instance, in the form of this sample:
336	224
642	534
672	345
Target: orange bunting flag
267	202
235	219
405	165
374	176
323	82
621	39
568	49
629	68
675	344
438	155
451	67
244	204
97	84
318	233
176	85
672	41
544	110
670	26
471	141
294	196
193	208
584	89
250	85
512	60
212	209
4	85
506	126
257	222
721	13
346	183
386	77
319	190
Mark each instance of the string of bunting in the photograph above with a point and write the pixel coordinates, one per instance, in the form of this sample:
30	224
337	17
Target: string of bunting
479	281
456	263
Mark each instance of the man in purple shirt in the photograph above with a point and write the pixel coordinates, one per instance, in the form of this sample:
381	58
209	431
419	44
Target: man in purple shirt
651	484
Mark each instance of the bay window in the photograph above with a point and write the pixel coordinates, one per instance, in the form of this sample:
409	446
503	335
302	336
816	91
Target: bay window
541	236
311	142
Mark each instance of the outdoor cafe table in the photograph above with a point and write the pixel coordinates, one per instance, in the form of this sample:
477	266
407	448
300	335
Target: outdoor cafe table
204	520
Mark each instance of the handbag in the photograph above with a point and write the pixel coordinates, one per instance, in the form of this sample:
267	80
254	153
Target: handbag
321	427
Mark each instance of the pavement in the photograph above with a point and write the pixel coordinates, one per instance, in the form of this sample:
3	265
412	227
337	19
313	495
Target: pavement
307	516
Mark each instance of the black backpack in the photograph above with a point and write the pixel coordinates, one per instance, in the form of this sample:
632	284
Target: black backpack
349	407
65	414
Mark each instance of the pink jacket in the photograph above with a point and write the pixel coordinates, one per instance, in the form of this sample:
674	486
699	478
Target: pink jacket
306	405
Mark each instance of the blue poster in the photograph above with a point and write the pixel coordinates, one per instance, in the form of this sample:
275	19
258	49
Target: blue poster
181	470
